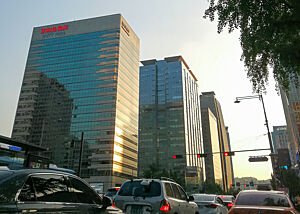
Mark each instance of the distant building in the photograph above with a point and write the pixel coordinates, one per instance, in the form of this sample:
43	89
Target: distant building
169	119
280	138
213	166
83	76
246	183
291	106
208	100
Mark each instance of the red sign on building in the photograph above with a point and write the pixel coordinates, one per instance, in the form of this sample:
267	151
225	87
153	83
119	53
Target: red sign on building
54	29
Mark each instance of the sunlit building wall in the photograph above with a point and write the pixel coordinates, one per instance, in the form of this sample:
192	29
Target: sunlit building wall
291	106
92	70
169	118
213	166
208	100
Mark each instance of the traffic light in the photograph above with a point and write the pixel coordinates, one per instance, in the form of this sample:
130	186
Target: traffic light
228	154
177	156
238	184
251	183
201	155
245	185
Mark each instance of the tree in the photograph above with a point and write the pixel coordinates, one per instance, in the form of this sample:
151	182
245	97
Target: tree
212	188
269	37
154	171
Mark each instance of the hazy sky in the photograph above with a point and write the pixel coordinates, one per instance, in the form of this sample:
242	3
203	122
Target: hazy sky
165	28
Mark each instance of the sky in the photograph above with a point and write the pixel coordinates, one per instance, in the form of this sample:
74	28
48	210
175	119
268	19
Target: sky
165	28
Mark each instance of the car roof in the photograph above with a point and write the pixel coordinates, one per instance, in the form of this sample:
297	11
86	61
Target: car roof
262	191
31	171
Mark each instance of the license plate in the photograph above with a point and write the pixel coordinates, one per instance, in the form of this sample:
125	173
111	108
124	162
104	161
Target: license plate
136	210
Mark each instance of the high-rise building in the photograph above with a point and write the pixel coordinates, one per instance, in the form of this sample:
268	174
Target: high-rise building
208	100
291	106
213	166
83	77
169	119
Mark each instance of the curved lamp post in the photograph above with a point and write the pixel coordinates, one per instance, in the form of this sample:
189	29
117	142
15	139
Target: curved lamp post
260	97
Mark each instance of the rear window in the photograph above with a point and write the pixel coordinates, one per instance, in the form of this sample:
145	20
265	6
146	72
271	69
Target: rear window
134	188
199	198
111	192
227	198
278	200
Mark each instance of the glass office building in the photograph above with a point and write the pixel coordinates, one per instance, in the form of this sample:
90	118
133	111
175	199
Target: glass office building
169	118
83	77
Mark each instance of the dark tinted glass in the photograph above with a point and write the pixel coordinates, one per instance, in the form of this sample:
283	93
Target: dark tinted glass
27	193
227	198
111	193
10	186
182	193
176	191
52	188
279	200
4	174
169	190
84	193
134	188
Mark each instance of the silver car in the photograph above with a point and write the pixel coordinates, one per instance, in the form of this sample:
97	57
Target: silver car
153	196
210	204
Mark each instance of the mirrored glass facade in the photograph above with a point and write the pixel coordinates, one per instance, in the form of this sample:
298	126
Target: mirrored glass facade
169	117
83	76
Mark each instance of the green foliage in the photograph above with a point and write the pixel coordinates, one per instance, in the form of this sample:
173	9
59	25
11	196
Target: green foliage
269	37
212	188
155	172
290	179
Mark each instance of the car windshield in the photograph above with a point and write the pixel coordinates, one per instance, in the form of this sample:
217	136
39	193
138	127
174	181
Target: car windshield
227	198
274	199
135	188
199	198
111	193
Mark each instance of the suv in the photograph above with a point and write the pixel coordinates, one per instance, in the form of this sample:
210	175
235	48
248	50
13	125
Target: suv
149	196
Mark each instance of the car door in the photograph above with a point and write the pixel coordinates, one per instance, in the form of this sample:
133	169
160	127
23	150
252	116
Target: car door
188	208
86	198
46	193
221	206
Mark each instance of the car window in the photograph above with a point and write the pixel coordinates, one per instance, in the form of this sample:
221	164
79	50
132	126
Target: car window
134	188
10	186
169	190
111	193
176	191
262	199
5	174
27	192
84	193
182	193
219	201
199	198
52	188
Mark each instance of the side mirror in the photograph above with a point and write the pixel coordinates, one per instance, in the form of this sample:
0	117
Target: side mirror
106	201
191	198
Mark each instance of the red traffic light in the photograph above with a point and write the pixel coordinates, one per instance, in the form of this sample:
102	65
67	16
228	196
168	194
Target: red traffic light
177	156
174	157
245	185
226	154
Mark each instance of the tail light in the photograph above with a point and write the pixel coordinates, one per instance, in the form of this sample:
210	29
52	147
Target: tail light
230	205
165	206
113	205
214	206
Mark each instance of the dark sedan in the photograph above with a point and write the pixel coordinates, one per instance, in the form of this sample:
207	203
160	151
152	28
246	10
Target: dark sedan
48	191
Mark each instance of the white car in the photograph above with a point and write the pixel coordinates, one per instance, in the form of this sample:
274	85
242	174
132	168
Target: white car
210	204
152	196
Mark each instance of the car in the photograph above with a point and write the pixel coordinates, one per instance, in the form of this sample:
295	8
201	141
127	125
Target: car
49	191
111	192
152	196
210	204
256	201
228	200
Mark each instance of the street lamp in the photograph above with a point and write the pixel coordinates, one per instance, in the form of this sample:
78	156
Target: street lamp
260	97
